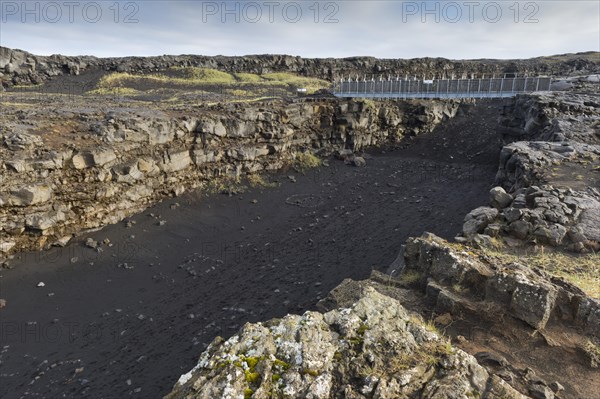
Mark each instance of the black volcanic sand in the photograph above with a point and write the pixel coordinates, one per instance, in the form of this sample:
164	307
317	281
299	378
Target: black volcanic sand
130	320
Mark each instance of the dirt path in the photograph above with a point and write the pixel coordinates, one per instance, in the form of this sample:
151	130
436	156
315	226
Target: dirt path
129	320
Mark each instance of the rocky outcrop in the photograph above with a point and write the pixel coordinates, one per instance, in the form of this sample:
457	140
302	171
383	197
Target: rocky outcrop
543	215
547	181
366	344
20	67
553	117
552	130
453	280
373	349
113	164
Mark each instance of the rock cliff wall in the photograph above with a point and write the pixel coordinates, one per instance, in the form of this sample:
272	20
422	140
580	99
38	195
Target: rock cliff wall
20	67
549	174
86	168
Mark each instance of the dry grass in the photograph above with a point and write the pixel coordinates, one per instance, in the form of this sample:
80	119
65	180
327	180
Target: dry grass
248	77
410	277
256	180
207	75
192	76
114	91
581	270
305	161
310	84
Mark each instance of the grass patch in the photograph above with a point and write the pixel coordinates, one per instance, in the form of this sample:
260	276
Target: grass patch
593	352
114	91
305	161
207	75
248	77
257	180
410	277
225	185
582	271
310	84
248	84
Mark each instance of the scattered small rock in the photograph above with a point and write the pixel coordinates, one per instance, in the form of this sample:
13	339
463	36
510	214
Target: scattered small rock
359	162
61	242
91	243
491	358
41	284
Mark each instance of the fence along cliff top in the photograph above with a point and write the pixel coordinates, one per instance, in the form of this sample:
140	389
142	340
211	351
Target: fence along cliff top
440	88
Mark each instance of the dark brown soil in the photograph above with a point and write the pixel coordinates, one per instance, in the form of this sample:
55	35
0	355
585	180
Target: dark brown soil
129	320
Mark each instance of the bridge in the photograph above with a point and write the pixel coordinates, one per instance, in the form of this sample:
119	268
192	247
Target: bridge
408	88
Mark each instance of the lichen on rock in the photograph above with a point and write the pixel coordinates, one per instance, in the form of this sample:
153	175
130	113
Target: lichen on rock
373	349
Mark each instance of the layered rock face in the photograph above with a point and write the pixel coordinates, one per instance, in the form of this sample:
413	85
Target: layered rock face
548	179
20	67
85	167
373	349
547	130
454	280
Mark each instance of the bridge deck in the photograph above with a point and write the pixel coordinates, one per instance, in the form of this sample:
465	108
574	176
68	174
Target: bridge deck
441	88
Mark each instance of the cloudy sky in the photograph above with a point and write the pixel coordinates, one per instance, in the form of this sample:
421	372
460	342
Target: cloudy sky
388	29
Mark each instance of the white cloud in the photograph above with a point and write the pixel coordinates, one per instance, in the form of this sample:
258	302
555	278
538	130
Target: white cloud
377	28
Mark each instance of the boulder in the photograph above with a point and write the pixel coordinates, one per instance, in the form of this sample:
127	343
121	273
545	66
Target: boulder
174	161
147	166
512	214
359	161
91	158
519	229
42	221
213	127
552	235
103	156
588	314
6	246
499	198
478	219
30	194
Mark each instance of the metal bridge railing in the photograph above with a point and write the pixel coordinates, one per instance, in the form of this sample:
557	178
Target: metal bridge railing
441	88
